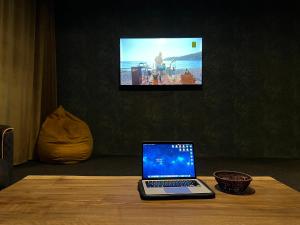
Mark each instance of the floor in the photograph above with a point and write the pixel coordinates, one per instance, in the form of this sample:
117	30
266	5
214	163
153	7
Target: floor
285	170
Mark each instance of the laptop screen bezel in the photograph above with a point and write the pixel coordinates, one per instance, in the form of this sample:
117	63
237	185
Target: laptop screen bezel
168	142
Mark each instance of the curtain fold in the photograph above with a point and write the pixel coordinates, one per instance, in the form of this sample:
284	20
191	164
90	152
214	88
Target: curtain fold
45	60
23	70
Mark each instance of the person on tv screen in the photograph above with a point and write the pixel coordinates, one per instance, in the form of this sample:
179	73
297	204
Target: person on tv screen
160	66
158	61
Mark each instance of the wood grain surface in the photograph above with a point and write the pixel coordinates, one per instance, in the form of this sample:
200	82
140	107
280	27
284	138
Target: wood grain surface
87	200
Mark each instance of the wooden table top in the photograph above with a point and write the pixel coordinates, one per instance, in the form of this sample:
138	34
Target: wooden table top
87	200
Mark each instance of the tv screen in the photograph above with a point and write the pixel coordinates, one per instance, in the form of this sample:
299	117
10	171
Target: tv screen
161	62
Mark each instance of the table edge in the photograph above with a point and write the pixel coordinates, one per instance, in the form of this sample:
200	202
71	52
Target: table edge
41	177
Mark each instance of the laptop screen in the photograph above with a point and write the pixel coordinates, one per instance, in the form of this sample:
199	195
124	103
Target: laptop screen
168	160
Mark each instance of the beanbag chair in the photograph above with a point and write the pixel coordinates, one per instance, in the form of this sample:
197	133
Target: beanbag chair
64	138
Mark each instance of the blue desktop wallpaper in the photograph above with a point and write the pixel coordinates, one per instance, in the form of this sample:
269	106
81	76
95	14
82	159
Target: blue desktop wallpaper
168	160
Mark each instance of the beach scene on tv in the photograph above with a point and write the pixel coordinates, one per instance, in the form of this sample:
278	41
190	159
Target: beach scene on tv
161	61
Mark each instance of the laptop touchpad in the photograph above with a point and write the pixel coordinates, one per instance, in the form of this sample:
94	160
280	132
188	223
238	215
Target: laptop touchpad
177	190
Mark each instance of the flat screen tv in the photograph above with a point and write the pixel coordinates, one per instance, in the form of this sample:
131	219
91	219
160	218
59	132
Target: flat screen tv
161	63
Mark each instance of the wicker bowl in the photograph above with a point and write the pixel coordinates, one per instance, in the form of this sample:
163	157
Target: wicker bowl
232	182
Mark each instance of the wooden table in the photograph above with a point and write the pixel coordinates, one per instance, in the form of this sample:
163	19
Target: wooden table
85	200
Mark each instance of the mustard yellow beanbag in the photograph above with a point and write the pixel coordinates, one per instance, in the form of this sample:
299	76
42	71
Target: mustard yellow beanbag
64	138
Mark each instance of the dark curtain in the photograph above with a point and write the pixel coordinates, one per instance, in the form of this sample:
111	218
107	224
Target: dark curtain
27	70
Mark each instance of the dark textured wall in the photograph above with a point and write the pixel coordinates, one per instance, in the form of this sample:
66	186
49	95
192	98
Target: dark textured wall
249	104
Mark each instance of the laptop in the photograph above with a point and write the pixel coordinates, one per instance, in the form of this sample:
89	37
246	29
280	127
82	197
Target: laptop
169	172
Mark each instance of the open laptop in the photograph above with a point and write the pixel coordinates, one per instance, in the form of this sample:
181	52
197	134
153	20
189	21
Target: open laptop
169	172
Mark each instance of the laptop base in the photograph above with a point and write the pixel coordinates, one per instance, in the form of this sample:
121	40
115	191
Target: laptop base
144	196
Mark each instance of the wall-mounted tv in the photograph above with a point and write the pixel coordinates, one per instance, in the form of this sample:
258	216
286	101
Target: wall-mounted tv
159	63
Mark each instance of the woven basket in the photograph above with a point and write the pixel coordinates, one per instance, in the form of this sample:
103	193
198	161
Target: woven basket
232	181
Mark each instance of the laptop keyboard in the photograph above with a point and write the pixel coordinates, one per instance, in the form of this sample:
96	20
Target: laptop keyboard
173	183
